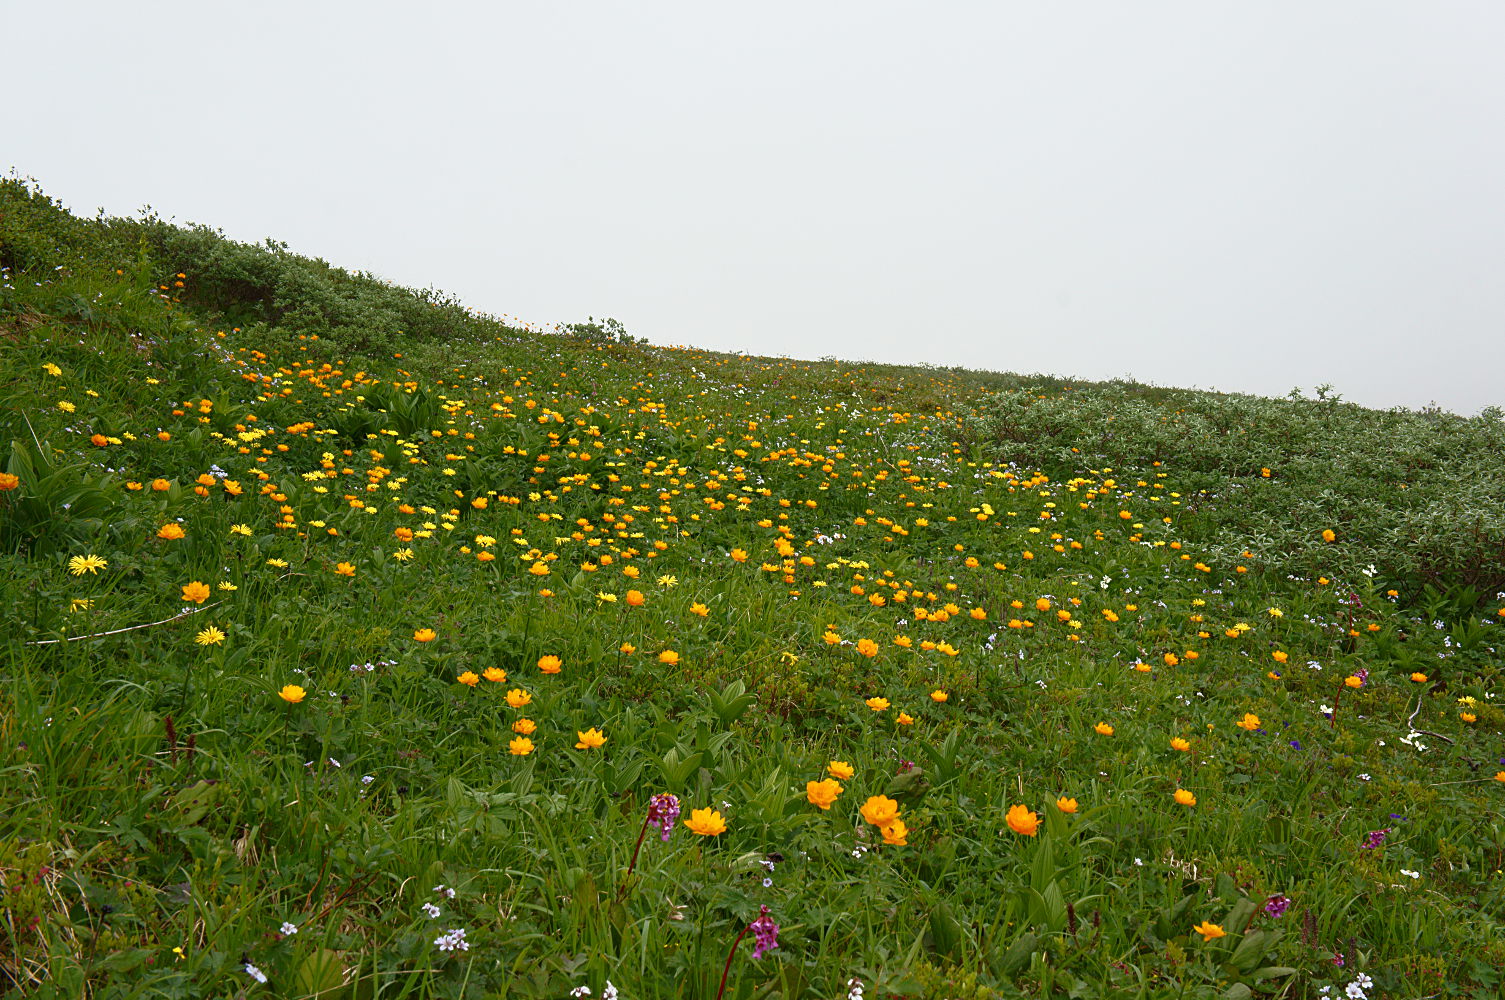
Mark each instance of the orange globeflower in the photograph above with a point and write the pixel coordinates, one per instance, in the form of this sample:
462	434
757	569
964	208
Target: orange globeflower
1328	535
344	569
1103	729
196	592
172	531
867	647
591	739
822	793
292	694
635	598
877	704
738	555
669	657
425	635
550	664
1066	805
495	674
880	810
1250	722
161	485
1177	743
1022	821
841	769
938	696
1185	798
707	822
98	440
8	481
468	678
520	746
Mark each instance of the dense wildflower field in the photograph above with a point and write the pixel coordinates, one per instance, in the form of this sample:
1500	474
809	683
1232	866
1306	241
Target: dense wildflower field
361	646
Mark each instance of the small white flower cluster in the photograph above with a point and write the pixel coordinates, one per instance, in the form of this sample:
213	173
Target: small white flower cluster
854	989
255	973
431	911
1356	990
288	928
453	940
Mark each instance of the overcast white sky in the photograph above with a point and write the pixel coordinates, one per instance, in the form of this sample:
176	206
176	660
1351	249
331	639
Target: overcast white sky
1244	196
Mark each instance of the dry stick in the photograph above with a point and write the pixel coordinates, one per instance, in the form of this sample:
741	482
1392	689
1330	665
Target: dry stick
99	635
1423	732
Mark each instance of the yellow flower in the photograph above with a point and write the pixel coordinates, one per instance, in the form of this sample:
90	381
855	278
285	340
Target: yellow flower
591	739
880	810
517	697
877	704
241	529
1249	723
292	694
1210	931
669	657
538	569
525	727
699	609
79	565
1022	821
841	769
822	793
938	696
196	592
905	719
550	664
495	675
706	822
627	648
344	569
1185	798
468	678
425	635
1280	656
520	746
211	636
1103	729
1066	805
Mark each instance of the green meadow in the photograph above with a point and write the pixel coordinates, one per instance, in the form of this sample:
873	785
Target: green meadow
360	645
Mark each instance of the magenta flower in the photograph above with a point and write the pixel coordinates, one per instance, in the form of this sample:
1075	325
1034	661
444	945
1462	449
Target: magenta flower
765	933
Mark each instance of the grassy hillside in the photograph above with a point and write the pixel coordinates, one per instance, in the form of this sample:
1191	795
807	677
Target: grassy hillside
361	645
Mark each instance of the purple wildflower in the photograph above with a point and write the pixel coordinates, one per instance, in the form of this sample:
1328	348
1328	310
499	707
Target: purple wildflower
1277	905
765	933
663	809
1374	839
